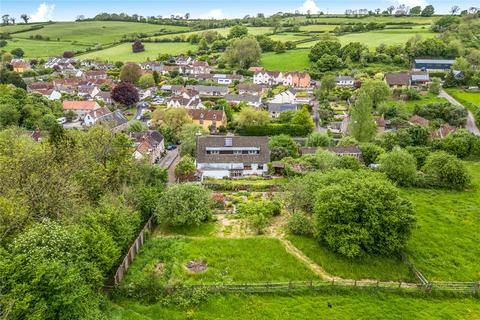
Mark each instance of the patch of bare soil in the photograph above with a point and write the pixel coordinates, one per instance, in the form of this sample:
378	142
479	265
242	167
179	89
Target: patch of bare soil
197	265
159	267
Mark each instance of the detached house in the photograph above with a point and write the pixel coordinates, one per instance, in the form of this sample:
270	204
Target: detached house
182	102
210	120
345	81
398	80
81	108
92	117
198	67
95	75
148	145
252	89
253	101
19	65
232	156
209	91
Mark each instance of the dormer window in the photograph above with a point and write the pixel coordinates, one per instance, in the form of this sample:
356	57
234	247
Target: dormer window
228	142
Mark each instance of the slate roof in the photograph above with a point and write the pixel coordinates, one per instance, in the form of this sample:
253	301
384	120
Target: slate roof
280	107
242	97
115	117
204	142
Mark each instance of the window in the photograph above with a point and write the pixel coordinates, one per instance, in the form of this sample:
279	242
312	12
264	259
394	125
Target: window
252	151
228	142
237	152
213	152
247	167
260	166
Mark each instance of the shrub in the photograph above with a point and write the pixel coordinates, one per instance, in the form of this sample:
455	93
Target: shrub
370	152
184	204
399	166
446	170
364	214
300	224
348	162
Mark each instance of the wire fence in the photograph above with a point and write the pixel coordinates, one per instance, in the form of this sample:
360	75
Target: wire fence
270	287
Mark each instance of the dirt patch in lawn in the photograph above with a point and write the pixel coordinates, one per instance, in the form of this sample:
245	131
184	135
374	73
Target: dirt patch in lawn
197	265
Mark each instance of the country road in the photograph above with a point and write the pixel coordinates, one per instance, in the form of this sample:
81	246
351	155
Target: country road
471	126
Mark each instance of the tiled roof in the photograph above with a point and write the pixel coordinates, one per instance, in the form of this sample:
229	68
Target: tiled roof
199	114
79	105
394	79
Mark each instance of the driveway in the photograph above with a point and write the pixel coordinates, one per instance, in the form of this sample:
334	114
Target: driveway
470	125
169	162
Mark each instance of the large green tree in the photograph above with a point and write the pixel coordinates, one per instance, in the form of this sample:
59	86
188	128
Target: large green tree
361	215
243	52
362	125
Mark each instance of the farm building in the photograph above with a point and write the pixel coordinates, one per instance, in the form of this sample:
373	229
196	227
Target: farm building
433	64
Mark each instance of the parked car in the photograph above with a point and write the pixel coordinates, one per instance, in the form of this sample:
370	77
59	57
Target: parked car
171	147
62	120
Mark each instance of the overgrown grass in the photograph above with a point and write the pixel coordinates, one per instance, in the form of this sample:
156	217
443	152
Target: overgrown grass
410	105
352	304
245	260
292	60
203	230
370	267
445	242
124	52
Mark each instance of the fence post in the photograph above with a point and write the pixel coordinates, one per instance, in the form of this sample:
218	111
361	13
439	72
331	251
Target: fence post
400	284
333	281
355	284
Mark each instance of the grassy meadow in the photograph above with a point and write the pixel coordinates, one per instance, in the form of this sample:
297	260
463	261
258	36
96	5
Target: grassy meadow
41	49
292	60
381	268
445	243
123	52
354	304
96	32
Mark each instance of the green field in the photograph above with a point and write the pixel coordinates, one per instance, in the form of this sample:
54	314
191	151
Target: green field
42	49
317	27
123	52
339	19
223	31
373	39
471	100
380	268
445	243
17	27
229	260
289	37
355	304
292	60
96	32
410	105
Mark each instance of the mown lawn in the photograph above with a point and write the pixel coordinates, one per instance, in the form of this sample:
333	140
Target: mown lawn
246	260
292	60
41	49
123	52
445	244
97	32
354	304
370	267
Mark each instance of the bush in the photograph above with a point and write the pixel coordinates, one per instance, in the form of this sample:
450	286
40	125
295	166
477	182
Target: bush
184	204
300	224
446	170
370	152
399	166
364	214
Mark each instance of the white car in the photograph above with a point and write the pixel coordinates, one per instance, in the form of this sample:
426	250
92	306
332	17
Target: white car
62	120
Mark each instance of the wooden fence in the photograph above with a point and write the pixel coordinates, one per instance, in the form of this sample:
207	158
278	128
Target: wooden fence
457	287
132	252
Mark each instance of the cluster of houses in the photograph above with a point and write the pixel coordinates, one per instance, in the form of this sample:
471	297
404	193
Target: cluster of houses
84	87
